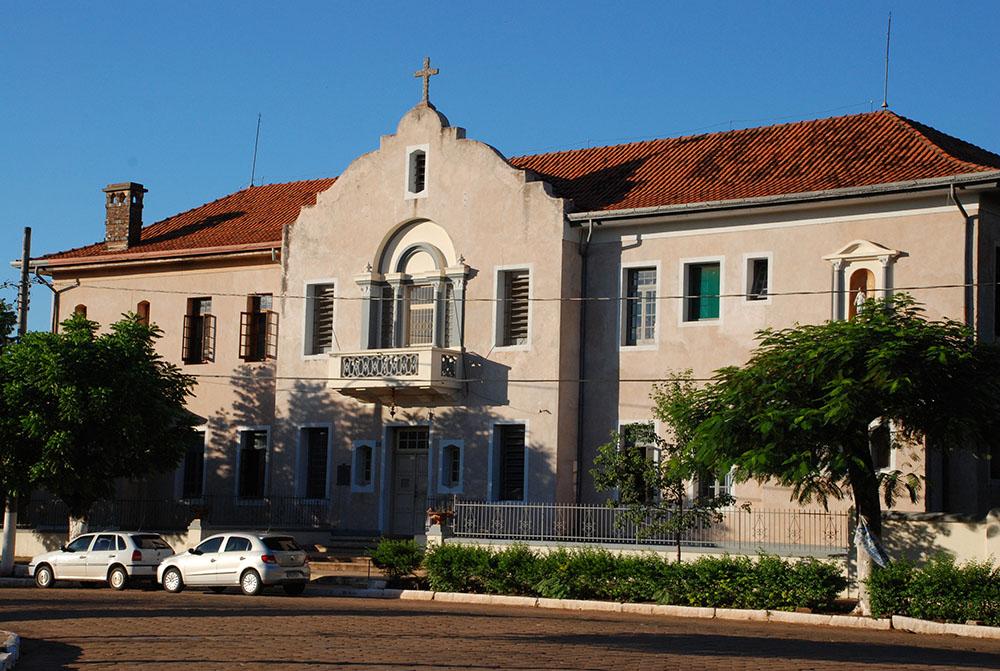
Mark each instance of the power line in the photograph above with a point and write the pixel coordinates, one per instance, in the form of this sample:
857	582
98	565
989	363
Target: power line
548	299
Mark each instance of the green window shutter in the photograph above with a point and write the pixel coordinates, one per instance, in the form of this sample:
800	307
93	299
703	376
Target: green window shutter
708	290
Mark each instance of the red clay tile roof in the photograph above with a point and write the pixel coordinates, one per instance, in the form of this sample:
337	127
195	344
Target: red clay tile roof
834	153
253	215
840	152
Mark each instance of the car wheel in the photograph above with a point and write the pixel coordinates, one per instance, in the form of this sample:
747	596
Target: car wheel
250	582
118	578
172	581
44	577
294	589
218	590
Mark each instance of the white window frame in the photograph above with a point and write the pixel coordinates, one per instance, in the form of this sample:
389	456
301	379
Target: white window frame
623	307
491	469
696	485
456	488
179	476
307	317
748	260
407	194
892	449
302	459
682	320
657	452
240	430
498	312
356	486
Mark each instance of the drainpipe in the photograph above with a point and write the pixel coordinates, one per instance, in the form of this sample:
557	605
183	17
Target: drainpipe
970	250
582	367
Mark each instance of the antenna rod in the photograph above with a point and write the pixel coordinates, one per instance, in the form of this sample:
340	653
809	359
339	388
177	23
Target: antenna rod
253	169
885	91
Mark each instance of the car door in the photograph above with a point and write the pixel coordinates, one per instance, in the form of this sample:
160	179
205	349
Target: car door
199	567
101	555
234	555
72	562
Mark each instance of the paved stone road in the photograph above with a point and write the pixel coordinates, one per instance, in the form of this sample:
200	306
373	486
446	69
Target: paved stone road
99	629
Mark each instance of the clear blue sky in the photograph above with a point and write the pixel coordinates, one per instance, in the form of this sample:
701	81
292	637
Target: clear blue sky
167	94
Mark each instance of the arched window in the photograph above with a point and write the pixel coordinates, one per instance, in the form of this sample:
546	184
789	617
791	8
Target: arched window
142	309
81	310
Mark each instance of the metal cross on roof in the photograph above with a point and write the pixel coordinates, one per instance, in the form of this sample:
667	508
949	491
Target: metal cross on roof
426	73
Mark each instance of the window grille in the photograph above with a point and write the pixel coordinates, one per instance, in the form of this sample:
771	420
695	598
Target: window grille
387	299
515	307
194	467
712	485
253	464
316	440
511	442
452	471
420	312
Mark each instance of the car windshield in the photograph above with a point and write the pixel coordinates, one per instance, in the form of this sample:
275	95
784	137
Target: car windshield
149	542
281	544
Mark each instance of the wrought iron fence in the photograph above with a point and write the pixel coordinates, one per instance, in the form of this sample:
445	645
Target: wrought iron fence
739	530
173	515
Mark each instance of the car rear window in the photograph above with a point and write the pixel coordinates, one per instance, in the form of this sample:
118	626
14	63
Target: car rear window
150	542
281	544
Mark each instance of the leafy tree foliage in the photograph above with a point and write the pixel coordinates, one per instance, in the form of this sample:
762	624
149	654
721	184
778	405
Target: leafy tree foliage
649	478
802	409
87	408
8	319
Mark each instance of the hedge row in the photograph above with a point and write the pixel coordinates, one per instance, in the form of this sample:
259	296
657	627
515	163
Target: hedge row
723	582
941	591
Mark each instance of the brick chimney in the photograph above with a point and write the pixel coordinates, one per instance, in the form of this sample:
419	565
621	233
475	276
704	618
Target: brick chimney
123	220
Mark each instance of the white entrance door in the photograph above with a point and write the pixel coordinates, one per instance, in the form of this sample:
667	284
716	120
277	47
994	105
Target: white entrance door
409	481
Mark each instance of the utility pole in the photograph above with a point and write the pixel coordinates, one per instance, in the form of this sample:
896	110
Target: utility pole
10	514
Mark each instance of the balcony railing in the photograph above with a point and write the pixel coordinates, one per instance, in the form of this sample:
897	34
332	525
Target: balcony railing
417	373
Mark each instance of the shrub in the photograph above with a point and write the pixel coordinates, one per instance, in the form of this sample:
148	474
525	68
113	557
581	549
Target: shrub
397	558
770	582
941	591
458	568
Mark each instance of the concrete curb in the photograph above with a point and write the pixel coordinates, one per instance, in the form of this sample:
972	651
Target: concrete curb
916	626
845	621
10	649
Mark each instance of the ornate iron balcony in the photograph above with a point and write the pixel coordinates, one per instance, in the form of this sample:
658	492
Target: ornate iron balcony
401	375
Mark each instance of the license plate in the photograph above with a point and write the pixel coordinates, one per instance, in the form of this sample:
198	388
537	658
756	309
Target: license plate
293	574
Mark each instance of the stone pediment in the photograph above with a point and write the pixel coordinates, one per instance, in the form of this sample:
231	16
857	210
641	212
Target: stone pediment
863	249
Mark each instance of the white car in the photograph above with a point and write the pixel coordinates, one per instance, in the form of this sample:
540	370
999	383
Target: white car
250	561
113	557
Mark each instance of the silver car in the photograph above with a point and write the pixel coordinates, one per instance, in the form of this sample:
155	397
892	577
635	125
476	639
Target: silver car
113	557
251	561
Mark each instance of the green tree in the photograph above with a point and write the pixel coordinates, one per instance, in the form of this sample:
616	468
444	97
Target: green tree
88	408
649	477
8	319
802	409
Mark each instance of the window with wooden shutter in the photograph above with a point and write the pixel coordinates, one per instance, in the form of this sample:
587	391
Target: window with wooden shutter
258	329
510	438
516	285
703	281
199	332
321	301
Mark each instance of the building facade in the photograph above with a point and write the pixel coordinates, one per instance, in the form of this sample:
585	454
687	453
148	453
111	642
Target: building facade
441	320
